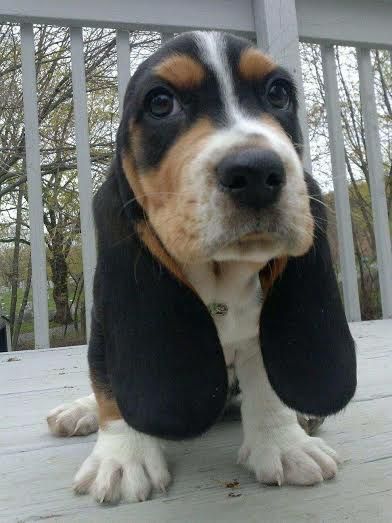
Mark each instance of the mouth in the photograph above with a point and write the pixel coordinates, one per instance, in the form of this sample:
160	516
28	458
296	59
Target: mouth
255	237
259	241
249	229
257	245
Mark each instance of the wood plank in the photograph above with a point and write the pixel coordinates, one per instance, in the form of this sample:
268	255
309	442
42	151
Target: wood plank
34	189
341	194
346	22
123	64
274	18
376	180
84	168
37	469
171	16
335	21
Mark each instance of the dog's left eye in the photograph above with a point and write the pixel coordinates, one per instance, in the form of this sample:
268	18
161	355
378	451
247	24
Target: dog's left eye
161	103
278	94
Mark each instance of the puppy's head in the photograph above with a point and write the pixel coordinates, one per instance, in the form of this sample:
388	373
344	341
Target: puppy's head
210	145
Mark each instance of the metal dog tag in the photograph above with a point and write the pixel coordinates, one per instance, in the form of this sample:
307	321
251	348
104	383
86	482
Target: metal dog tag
218	309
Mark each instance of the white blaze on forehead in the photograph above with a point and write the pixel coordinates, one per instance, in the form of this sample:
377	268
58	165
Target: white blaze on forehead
213	50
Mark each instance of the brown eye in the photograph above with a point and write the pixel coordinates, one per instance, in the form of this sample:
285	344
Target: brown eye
278	95
162	103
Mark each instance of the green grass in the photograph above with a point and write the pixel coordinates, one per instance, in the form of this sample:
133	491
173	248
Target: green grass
27	326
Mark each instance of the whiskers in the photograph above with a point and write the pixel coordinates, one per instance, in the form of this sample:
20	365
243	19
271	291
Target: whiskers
332	211
154	193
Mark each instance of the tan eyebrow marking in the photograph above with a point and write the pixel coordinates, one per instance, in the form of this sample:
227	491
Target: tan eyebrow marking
181	71
254	64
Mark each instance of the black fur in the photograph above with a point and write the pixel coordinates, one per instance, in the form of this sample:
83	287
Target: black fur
165	362
153	345
307	347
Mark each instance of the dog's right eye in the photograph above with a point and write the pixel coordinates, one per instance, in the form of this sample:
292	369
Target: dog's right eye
161	103
278	94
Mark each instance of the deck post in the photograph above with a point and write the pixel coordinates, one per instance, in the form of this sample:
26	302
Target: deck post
34	189
123	64
277	34
341	194
84	168
376	180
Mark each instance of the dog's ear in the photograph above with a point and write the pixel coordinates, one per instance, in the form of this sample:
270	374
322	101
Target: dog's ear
307	347
163	356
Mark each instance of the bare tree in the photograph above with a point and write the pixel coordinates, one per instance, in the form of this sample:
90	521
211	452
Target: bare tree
355	154
58	152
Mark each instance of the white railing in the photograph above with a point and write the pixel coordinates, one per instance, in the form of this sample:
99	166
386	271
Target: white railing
278	27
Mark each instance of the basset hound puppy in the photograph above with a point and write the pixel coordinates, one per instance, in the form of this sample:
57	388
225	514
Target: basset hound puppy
213	265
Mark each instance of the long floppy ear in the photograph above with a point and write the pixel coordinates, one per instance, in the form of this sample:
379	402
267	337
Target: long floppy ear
163	357
307	347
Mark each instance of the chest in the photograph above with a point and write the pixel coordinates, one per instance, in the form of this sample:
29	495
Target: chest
237	288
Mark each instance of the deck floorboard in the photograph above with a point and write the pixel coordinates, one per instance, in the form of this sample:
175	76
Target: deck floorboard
36	469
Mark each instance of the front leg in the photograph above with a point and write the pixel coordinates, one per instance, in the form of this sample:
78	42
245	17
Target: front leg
124	464
275	447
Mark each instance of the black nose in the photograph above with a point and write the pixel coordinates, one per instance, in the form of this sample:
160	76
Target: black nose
252	177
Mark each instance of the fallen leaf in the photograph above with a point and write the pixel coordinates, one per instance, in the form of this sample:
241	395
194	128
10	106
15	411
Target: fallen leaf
233	484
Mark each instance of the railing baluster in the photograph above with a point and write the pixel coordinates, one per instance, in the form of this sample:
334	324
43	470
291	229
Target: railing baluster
376	179
342	200
123	64
84	166
34	188
277	34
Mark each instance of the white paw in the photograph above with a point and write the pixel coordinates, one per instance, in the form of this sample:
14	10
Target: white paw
124	464
290	457
78	418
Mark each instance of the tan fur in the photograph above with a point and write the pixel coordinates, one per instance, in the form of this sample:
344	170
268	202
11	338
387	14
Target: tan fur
132	177
271	272
254	65
153	244
164	194
307	221
107	407
181	71
275	125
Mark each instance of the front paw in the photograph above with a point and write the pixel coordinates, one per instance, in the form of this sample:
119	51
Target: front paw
125	464
78	418
289	456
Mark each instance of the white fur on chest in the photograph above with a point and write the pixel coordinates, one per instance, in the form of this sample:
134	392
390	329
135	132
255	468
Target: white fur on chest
238	287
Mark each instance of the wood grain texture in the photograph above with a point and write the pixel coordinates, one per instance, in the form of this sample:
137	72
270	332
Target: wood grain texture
36	469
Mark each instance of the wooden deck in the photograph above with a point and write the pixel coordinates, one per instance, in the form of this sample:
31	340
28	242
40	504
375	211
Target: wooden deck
36	469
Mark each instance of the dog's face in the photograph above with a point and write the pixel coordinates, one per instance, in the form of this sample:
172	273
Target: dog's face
210	145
